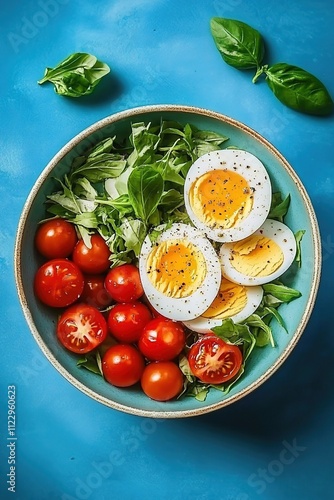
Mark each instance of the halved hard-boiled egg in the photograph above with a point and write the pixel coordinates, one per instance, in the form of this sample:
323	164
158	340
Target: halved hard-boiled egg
233	301
227	194
261	257
180	272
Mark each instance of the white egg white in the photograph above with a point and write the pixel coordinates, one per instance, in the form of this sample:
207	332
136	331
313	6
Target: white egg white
182	309
276	231
205	325
251	169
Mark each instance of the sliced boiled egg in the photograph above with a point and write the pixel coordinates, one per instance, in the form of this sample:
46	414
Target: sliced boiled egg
233	301
261	257
180	272
227	194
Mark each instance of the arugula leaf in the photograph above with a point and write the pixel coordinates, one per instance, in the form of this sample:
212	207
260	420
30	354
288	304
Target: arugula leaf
133	231
281	292
279	207
299	236
143	176
77	75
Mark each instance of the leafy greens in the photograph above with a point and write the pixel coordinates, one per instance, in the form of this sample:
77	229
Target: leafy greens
144	177
77	75
124	189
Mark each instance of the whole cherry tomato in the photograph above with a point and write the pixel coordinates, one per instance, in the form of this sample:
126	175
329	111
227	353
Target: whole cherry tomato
94	259
122	365
123	283
126	321
162	339
58	283
55	238
162	380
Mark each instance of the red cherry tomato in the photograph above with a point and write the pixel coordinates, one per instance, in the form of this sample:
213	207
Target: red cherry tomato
81	328
126	321
94	292
214	361
122	365
162	339
92	260
162	380
58	283
55	238
123	283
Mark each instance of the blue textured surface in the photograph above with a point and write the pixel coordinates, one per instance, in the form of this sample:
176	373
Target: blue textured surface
278	442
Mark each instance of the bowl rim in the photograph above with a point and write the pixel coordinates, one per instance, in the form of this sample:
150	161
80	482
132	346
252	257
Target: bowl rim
100	124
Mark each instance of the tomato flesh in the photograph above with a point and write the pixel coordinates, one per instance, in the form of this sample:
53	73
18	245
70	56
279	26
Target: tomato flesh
81	328
58	283
213	361
122	365
162	380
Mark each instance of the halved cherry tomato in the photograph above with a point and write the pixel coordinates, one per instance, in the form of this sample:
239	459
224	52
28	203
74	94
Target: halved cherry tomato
126	321
122	365
56	238
58	283
94	292
92	260
162	380
162	339
123	283
214	361
81	328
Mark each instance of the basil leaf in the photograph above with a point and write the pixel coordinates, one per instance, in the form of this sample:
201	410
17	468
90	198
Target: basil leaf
77	75
145	187
92	362
240	45
299	89
171	200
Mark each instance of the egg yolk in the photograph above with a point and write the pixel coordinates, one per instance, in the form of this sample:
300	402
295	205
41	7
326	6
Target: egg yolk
230	300
257	256
176	268
221	198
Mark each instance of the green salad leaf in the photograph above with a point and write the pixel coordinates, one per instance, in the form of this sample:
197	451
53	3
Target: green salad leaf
253	333
130	188
77	75
240	45
124	189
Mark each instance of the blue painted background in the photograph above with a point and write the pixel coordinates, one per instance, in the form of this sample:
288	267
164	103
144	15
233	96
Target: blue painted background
277	443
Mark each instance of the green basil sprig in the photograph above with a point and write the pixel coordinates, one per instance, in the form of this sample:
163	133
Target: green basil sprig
77	75
242	47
